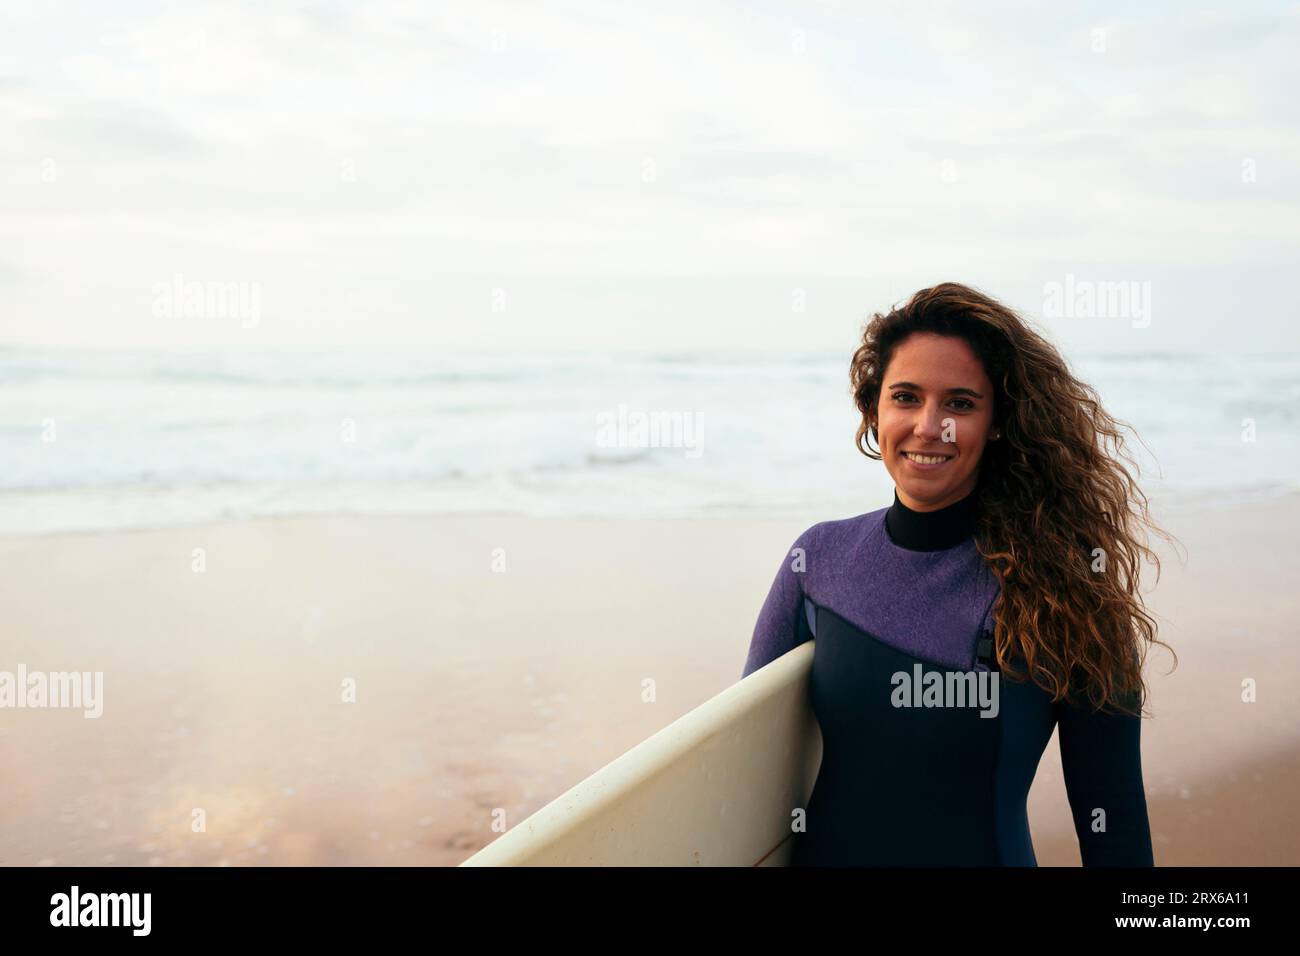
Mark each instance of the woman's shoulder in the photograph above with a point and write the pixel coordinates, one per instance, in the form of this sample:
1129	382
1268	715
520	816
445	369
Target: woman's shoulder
838	528
839	535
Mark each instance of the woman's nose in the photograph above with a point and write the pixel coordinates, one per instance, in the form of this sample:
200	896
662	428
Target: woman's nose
929	423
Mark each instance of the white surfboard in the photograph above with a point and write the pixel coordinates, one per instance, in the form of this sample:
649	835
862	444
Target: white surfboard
717	787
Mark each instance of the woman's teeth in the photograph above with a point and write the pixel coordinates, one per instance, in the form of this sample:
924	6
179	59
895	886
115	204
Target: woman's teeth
926	459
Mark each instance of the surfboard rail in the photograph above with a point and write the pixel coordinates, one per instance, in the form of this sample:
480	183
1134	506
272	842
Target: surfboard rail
716	787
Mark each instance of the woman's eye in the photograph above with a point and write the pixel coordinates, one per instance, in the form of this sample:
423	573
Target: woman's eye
963	404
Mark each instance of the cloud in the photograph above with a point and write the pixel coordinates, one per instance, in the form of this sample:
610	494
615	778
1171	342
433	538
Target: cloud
591	142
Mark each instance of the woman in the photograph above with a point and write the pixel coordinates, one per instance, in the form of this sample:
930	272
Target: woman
996	598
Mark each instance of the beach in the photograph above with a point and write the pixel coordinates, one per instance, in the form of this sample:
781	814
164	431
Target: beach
355	690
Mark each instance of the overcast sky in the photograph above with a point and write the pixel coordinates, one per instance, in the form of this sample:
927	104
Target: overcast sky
672	176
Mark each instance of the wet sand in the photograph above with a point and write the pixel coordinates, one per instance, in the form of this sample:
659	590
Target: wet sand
482	693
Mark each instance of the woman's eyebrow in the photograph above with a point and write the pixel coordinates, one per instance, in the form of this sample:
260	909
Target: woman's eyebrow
951	391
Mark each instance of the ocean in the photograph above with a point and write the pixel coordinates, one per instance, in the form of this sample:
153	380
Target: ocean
126	439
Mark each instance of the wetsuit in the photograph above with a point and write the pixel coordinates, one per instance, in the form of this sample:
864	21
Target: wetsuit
900	604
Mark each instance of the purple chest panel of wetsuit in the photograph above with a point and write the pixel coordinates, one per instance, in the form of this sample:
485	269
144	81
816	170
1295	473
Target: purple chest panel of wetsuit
931	604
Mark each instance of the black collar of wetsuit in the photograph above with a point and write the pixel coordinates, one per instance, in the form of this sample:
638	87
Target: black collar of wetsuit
931	530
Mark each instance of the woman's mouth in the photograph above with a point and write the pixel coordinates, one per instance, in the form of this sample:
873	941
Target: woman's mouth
926	461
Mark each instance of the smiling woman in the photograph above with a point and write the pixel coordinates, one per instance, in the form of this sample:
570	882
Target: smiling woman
1011	550
957	375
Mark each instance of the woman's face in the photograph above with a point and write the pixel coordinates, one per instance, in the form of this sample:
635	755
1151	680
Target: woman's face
936	401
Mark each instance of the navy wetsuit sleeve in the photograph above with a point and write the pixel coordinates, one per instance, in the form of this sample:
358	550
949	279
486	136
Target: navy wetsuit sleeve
1101	758
778	628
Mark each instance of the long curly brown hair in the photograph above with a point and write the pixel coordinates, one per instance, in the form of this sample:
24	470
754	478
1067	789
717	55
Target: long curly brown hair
1062	520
